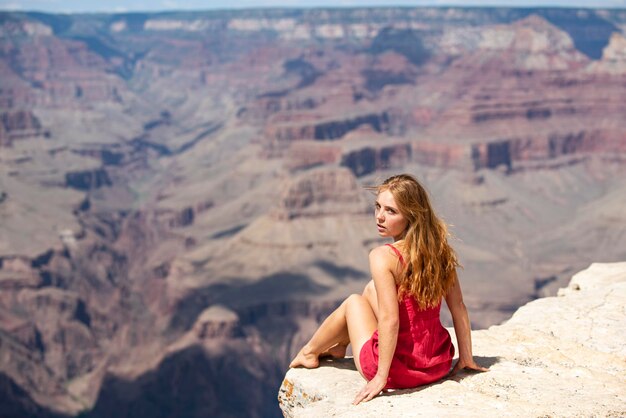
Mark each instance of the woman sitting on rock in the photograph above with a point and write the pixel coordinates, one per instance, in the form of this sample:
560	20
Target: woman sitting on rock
394	327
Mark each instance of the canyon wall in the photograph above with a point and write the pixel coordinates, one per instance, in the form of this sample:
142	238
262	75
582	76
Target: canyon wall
185	190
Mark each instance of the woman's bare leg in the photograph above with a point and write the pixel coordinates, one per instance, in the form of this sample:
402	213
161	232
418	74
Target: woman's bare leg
352	321
339	350
370	294
331	331
361	325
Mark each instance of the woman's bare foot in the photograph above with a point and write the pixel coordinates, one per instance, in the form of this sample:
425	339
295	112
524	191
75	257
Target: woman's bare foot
337	351
305	359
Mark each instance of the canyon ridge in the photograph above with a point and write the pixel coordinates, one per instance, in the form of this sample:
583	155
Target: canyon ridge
183	195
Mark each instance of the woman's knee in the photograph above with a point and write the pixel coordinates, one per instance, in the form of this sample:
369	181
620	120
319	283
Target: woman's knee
370	294
354	298
361	321
369	288
349	302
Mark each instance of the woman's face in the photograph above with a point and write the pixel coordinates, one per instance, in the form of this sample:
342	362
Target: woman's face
389	221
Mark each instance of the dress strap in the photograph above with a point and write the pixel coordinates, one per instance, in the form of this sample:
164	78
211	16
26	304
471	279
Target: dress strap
398	253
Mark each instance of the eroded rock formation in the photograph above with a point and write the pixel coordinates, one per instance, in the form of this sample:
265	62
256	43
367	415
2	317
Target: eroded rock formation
557	356
191	188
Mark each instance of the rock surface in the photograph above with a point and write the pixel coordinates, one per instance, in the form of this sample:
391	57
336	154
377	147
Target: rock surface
182	191
557	356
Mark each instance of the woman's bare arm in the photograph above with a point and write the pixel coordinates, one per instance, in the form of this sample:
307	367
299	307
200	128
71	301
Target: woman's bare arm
462	328
381	264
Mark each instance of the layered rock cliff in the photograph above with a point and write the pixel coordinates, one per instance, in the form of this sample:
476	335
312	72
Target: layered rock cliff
172	183
558	356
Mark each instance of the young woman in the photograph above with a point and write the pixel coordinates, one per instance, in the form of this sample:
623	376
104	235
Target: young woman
394	328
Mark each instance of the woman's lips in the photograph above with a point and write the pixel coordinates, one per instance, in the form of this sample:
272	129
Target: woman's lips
380	227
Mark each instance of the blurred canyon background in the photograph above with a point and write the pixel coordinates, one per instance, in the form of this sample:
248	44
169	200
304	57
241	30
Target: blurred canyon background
183	194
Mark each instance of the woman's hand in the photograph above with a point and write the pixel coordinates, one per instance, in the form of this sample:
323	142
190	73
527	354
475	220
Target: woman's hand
371	389
470	364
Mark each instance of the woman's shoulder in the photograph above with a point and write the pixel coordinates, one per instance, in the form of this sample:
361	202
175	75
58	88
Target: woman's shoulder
386	253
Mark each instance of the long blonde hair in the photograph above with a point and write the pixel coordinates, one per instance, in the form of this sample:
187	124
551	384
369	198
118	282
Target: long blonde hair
428	273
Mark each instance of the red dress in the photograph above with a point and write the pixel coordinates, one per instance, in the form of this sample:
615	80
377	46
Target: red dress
424	350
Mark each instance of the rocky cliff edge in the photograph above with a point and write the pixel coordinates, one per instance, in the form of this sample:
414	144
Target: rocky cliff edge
557	356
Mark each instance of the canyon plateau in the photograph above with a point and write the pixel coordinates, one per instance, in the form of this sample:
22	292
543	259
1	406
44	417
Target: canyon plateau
183	195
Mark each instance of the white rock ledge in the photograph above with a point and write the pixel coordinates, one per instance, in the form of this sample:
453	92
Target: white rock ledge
561	356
